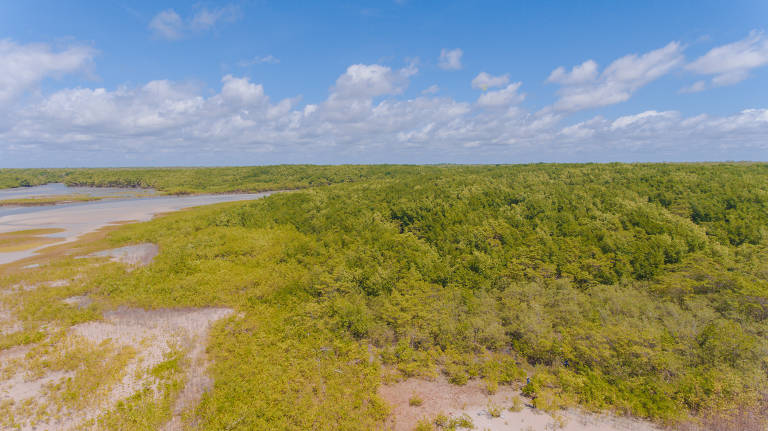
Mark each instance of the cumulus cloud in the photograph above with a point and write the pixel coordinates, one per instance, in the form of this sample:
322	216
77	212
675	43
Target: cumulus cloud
450	59
362	81
583	73
730	63
672	133
24	65
583	87
169	25
501	98
484	81
365	116
165	117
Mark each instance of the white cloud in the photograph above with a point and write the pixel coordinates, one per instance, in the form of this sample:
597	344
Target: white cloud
205	18
731	63
364	118
647	117
450	59
170	25
584	88
167	24
485	81
23	66
585	72
241	92
267	59
501	98
695	87
692	138
362	81
432	89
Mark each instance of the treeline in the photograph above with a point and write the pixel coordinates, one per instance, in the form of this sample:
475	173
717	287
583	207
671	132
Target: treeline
641	289
204	180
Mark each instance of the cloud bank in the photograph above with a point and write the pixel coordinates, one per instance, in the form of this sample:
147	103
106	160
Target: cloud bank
731	63
583	87
24	66
365	117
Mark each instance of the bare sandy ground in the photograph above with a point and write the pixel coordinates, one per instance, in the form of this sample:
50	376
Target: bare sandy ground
152	333
131	255
441	397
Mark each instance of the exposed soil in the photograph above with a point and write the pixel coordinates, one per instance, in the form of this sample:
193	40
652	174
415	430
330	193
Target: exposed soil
441	397
132	255
153	334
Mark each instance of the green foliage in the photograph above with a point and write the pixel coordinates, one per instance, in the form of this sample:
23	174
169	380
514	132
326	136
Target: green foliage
21	338
494	410
424	425
149	408
454	423
415	401
641	289
204	180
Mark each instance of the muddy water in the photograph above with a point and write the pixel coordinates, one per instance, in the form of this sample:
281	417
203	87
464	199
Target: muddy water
55	189
79	218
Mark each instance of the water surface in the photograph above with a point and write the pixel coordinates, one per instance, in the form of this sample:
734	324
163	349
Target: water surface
54	189
80	218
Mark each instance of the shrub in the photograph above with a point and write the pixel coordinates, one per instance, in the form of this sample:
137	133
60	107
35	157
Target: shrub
494	410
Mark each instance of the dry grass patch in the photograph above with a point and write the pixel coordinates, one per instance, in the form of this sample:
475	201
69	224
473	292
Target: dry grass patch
95	374
48	200
26	239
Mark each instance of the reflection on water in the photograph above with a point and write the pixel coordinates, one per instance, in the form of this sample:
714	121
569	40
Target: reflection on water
79	218
62	189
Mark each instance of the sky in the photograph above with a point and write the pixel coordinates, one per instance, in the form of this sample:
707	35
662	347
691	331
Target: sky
118	83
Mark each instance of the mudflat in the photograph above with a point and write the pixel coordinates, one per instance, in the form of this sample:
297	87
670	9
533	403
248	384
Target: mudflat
74	220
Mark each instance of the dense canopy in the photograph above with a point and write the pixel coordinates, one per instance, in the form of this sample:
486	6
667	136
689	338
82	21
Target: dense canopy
641	289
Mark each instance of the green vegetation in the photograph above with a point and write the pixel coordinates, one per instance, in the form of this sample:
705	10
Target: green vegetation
494	410
517	404
451	424
204	180
415	401
26	239
640	289
48	200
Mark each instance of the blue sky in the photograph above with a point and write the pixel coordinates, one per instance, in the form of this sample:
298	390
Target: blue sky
257	82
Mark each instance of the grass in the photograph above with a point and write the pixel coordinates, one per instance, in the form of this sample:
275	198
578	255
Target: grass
49	200
444	422
26	239
494	410
415	401
517	404
81	375
151	406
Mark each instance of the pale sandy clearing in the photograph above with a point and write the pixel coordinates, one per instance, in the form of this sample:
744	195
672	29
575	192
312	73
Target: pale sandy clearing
131	255
153	334
441	397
